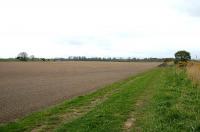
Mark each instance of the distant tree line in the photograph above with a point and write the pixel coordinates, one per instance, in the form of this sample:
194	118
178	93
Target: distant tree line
111	59
23	56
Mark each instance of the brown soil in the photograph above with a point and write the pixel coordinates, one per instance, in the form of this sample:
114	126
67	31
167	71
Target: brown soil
30	86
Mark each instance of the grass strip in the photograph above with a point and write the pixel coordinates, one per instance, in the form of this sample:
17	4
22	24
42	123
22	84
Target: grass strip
111	114
174	108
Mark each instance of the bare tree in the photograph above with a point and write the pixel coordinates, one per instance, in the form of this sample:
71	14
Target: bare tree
23	56
32	57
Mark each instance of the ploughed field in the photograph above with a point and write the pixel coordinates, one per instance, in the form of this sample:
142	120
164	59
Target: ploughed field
30	86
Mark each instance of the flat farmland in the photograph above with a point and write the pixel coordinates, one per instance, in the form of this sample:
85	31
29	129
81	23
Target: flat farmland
31	86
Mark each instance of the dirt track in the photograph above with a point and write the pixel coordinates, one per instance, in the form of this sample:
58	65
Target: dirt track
28	87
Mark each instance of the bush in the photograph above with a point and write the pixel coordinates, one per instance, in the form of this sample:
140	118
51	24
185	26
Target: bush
182	56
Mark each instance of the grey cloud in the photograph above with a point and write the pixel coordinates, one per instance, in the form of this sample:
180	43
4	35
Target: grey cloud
194	11
192	7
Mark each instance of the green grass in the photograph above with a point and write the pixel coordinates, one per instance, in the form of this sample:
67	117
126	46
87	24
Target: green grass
162	99
174	108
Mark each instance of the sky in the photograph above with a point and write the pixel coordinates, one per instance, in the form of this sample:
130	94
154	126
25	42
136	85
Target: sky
99	28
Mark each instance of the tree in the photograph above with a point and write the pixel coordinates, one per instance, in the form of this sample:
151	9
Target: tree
23	56
32	57
182	56
43	59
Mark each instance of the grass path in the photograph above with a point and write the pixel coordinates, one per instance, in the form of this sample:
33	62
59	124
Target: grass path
162	99
142	101
111	114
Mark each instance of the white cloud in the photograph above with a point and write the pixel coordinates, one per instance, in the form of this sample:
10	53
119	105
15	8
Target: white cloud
60	28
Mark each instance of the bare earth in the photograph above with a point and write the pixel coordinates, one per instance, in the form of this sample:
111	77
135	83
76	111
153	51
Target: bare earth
31	86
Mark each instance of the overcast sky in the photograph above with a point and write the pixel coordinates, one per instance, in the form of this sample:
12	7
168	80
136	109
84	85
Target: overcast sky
106	28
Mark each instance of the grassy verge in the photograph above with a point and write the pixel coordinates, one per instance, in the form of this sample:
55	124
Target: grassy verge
163	99
174	108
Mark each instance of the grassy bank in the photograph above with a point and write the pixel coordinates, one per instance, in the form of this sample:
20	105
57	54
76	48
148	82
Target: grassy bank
163	99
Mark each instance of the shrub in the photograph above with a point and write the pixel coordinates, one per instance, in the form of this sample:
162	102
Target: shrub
182	56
